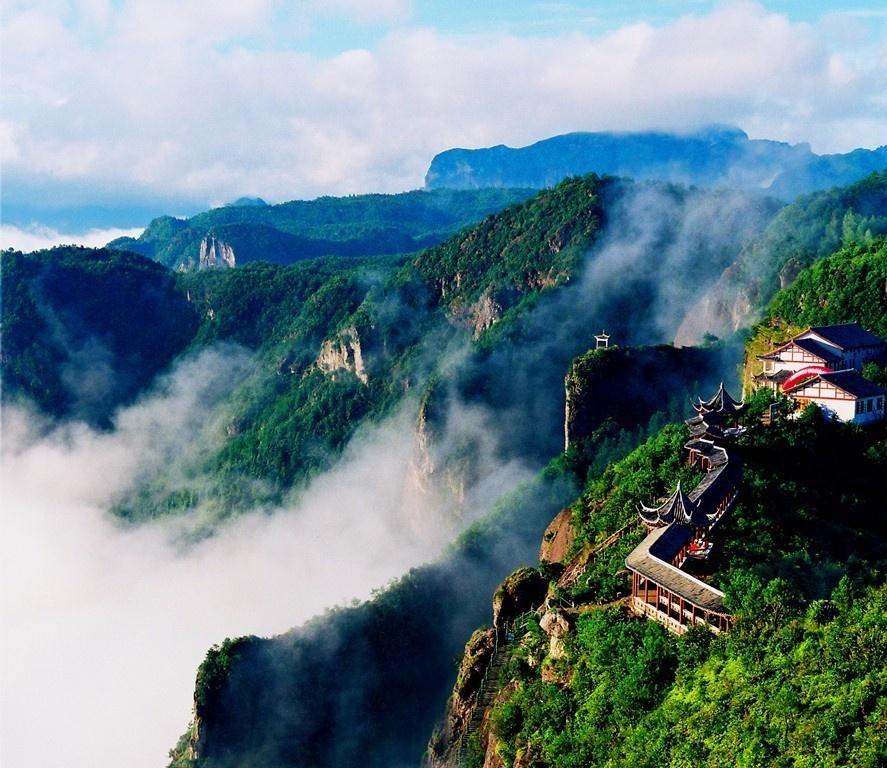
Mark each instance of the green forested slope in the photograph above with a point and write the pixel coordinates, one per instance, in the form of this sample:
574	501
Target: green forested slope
86	330
812	227
801	678
797	681
515	281
358	225
338	691
848	286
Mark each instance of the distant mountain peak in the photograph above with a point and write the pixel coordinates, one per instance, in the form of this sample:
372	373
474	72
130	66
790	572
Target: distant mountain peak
247	201
715	155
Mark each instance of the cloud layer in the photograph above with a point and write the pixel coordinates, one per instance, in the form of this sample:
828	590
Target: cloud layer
104	626
198	103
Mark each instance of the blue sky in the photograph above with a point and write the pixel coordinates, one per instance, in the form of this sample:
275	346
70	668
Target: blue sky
117	110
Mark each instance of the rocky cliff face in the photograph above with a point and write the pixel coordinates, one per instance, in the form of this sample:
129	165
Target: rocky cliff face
722	310
558	538
343	353
215	254
434	488
478	680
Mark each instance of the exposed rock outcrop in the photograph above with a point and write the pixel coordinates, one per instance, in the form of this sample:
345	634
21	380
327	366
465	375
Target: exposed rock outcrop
484	313
524	590
434	488
721	311
215	254
343	353
558	538
443	749
556	625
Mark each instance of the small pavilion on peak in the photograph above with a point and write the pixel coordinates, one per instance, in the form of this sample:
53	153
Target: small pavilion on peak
722	403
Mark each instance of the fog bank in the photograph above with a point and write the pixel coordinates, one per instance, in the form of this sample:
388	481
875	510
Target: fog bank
104	625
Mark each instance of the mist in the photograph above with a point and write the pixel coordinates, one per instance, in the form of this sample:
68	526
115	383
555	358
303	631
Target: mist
105	624
660	248
36	236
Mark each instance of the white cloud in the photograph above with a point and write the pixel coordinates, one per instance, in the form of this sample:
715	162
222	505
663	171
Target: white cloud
103	627
204	102
37	237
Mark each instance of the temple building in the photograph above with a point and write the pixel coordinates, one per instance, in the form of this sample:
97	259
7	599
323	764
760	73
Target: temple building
842	395
821	366
661	591
723	404
680	529
830	347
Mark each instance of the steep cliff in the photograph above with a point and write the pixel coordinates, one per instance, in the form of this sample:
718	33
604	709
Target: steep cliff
812	227
582	682
713	156
215	254
343	353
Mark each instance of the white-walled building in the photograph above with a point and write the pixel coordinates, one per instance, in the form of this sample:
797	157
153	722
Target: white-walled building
833	347
842	395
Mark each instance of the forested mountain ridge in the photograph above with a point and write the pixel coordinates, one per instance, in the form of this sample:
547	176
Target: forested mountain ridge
716	156
359	225
332	344
798	679
339	690
85	330
811	227
532	281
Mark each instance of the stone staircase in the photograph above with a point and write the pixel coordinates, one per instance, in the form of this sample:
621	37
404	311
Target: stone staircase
488	690
489	687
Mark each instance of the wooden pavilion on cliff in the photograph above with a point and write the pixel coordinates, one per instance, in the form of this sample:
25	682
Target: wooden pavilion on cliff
680	528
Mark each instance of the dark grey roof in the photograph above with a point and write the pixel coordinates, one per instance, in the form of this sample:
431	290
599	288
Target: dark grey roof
715	486
777	376
817	348
705	424
721	402
652	558
852	383
715	454
677	508
847	335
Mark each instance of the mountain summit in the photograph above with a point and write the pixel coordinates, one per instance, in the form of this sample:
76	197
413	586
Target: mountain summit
713	156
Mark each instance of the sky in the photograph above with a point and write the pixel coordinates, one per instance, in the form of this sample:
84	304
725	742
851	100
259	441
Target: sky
114	111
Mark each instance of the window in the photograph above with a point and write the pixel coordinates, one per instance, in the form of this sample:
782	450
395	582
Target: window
880	404
868	405
858	407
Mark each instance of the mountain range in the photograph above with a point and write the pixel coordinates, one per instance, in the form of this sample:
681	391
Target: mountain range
715	156
467	318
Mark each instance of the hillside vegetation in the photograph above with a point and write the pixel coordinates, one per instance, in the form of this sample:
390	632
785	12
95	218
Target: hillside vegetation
811	228
340	689
490	318
848	286
626	693
85	330
359	225
799	678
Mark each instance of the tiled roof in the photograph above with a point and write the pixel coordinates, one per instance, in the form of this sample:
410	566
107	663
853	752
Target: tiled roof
847	335
652	558
722	401
676	508
817	348
852	383
776	376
